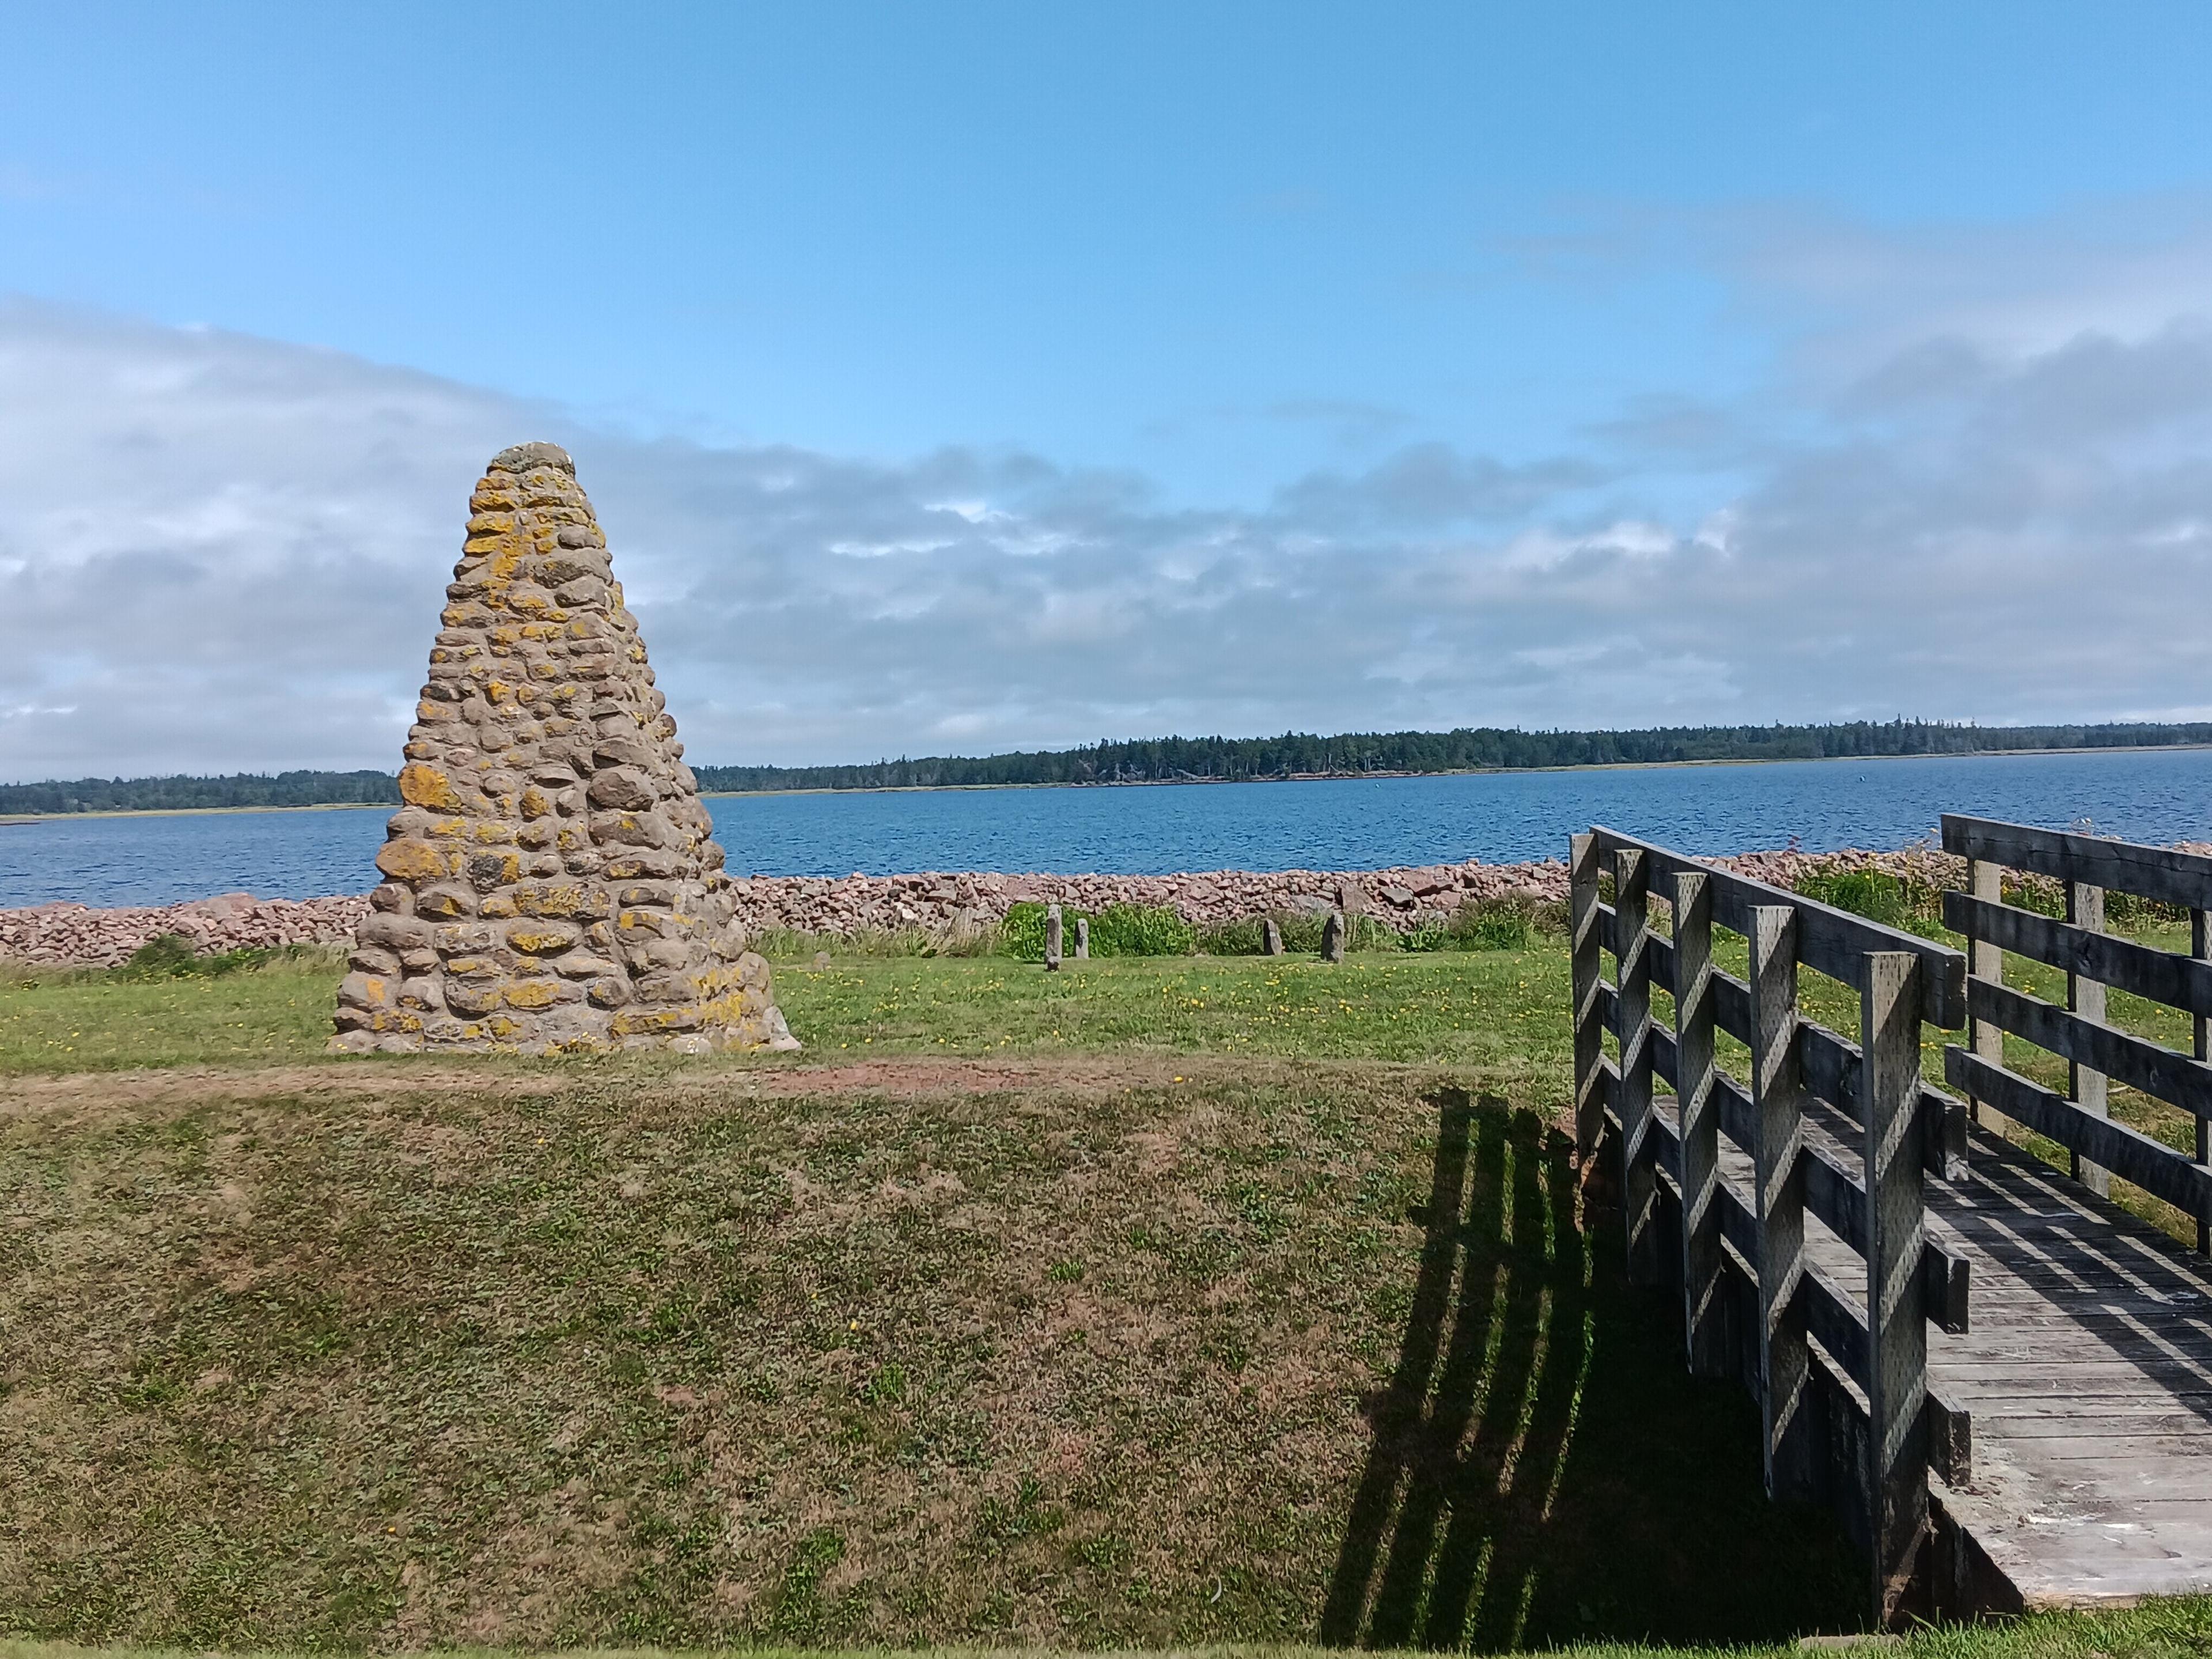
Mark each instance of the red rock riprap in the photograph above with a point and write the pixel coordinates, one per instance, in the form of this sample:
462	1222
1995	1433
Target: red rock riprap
936	903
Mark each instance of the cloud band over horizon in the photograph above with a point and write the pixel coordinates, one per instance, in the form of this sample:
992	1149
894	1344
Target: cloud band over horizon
223	553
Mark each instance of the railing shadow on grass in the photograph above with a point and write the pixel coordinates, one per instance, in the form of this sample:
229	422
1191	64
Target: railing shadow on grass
1543	1469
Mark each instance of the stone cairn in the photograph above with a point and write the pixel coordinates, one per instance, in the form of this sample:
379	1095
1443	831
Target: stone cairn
550	884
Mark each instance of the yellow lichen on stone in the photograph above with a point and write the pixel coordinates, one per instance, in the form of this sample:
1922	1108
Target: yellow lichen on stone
549	902
413	861
533	993
426	786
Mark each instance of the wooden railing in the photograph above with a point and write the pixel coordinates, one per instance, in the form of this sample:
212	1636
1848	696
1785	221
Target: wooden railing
1841	1381
2087	867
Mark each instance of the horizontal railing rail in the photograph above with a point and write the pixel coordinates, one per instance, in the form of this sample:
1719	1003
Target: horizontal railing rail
2097	1054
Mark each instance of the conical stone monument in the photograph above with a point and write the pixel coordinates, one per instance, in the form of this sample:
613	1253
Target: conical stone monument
550	884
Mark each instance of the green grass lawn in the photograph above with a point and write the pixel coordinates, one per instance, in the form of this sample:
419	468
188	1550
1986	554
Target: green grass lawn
1502	1010
1157	1303
2177	1629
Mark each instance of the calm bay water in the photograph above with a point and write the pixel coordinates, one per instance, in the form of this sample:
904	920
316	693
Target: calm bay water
1347	824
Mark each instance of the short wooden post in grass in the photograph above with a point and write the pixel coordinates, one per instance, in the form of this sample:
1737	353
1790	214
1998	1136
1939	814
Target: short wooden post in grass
1082	939
1985	880
1703	1329
1271	937
1583	974
1896	1315
1332	937
1052	938
2085	908
1778	1110
1639	1148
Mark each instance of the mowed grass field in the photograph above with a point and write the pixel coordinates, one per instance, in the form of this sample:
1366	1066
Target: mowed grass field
1157	1303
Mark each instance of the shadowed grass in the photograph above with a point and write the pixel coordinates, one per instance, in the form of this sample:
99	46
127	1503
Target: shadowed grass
640	1359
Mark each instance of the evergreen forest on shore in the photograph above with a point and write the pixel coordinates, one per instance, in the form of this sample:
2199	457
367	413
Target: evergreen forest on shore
1193	760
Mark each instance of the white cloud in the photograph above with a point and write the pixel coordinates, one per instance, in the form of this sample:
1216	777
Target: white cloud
219	552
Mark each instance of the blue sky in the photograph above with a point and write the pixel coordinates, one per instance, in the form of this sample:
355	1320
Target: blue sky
1163	328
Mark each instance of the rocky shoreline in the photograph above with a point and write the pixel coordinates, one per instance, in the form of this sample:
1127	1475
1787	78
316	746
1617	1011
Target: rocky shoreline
75	935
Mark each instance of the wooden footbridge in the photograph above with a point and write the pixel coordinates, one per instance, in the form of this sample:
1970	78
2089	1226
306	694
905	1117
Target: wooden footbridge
1999	1379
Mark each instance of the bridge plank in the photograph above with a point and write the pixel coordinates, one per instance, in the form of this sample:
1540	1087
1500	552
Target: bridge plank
2088	1372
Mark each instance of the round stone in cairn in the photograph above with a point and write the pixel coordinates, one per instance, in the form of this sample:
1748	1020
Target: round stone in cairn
550	884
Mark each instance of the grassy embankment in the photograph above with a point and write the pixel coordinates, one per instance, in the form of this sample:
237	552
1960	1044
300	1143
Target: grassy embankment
1166	1301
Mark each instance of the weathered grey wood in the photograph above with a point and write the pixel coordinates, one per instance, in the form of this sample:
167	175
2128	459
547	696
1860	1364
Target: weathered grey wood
2151	1164
1777	1097
1948	1434
1897	1325
1831	940
2153	872
2200	946
1082	939
1639	1189
1582	973
1052	938
1698	1172
1828	1063
2090	1380
2084	998
1829	1066
2172	1077
1333	931
1833	1193
1271	937
2179	981
1831	1320
1985	961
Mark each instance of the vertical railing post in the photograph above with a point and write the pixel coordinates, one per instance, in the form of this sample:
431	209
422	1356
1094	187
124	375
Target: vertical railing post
2085	907
1702	1314
1897	1329
1777	1107
1589	1038
1639	1162
1985	880
2200	946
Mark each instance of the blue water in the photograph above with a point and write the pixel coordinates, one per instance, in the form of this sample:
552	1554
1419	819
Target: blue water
1349	825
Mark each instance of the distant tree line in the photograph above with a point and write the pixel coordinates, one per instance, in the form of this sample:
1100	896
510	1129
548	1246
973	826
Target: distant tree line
1173	760
172	794
1299	753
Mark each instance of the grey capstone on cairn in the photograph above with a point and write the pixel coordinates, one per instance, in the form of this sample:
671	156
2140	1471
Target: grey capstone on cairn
550	884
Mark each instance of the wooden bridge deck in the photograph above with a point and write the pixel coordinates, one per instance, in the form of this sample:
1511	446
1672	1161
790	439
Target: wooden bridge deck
2087	1371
